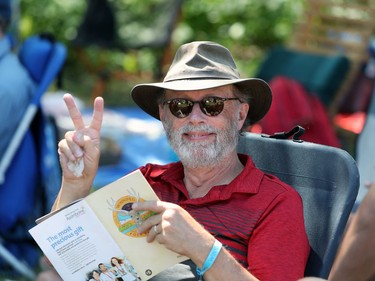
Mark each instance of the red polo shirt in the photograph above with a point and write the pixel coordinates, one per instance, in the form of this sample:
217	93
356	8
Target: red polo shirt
257	217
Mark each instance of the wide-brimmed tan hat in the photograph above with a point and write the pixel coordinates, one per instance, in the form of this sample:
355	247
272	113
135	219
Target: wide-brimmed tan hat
204	65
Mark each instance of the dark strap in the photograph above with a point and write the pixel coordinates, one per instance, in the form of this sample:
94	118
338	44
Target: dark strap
295	133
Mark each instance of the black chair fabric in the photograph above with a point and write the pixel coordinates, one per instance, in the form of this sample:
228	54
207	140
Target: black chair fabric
327	179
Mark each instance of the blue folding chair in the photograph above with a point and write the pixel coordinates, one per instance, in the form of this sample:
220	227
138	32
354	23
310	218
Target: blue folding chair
327	179
29	164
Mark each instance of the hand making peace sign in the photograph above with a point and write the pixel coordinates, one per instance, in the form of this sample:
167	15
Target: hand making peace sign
82	144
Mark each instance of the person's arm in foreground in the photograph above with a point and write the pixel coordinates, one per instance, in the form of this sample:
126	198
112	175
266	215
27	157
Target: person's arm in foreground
356	257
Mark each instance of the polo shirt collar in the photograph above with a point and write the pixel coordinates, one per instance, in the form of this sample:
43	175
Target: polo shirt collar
248	181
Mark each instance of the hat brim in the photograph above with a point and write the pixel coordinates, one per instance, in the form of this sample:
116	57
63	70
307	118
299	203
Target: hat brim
146	95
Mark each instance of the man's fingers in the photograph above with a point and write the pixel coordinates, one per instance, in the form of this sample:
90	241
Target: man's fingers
97	116
74	112
155	206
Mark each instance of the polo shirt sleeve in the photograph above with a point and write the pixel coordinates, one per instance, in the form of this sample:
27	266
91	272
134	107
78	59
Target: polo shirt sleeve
278	248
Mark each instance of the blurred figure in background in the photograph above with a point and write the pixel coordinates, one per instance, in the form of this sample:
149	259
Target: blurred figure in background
16	86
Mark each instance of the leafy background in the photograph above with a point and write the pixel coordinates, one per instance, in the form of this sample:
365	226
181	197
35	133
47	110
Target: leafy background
247	27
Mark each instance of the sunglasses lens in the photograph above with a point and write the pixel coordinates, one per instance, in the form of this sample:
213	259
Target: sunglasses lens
212	106
180	107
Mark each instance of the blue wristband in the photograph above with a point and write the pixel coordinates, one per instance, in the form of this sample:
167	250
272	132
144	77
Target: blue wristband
215	250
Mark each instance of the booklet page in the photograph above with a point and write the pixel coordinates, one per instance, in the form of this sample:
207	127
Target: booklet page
75	242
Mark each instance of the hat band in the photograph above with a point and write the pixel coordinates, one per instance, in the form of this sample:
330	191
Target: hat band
199	78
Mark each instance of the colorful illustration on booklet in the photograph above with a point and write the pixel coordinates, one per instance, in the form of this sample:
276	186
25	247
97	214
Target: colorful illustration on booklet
125	218
118	269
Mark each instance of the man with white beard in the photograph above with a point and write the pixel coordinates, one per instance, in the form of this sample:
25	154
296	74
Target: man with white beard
232	220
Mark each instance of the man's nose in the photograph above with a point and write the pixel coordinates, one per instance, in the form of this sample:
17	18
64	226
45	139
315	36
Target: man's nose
197	114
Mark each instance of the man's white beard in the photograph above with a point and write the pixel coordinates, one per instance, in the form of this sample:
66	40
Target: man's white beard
195	154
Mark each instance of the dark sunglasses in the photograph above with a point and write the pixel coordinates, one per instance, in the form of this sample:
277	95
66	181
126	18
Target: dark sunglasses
210	106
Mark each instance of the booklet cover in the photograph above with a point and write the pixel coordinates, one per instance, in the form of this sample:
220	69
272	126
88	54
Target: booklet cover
98	235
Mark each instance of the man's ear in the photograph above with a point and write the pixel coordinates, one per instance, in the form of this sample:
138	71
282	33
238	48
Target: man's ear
161	112
244	109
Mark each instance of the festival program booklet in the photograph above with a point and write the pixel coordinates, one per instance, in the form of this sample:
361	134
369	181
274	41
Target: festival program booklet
77	238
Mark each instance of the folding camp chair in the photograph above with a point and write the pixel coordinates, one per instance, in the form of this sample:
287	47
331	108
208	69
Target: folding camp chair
26	165
326	178
320	74
306	83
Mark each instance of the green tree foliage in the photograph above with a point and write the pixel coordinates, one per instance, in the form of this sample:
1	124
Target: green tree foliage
60	18
247	27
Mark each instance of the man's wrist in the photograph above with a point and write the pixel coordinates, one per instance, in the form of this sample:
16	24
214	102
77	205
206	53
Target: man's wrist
211	258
